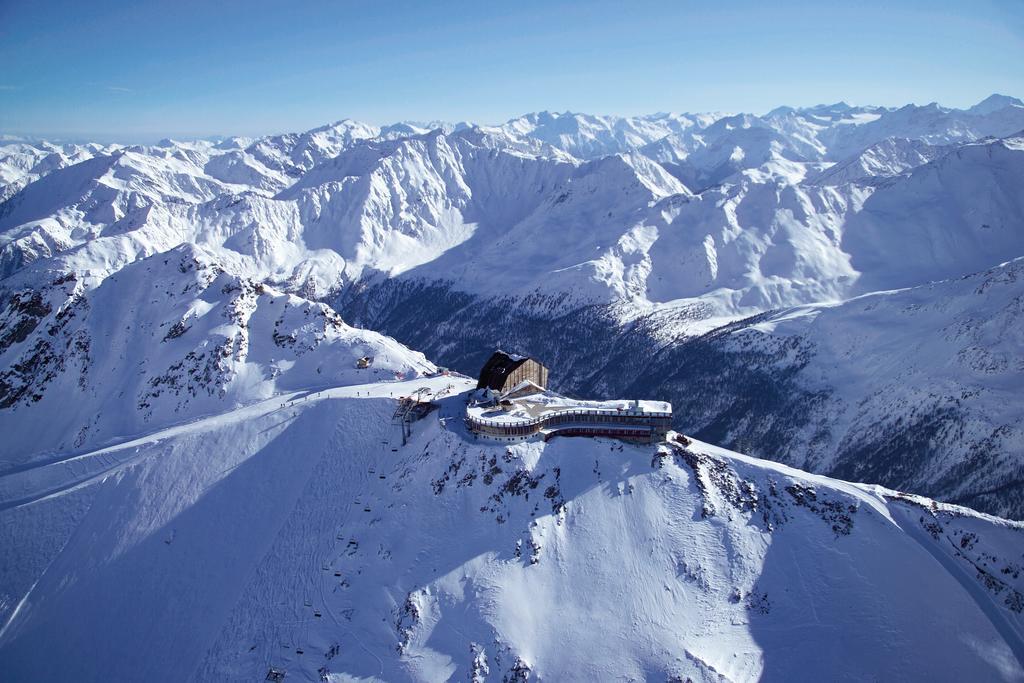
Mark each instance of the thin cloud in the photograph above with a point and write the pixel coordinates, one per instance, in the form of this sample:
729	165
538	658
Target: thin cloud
10	87
117	88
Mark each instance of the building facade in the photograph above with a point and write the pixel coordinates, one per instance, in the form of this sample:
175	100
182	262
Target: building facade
504	371
643	424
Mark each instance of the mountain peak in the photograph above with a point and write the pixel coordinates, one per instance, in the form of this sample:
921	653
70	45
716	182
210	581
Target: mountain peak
993	103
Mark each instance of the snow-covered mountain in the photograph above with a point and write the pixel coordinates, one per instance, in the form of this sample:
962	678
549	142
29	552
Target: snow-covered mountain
577	238
199	481
163	340
300	535
392	204
587	136
22	162
915	388
878	163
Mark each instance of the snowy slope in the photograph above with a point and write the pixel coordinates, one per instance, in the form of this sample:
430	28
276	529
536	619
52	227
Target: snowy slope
958	214
299	533
824	132
876	164
930	123
393	205
163	340
625	231
116	195
917	388
729	145
23	162
620	232
294	153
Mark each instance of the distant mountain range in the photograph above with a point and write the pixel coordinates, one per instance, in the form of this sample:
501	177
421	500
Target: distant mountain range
651	254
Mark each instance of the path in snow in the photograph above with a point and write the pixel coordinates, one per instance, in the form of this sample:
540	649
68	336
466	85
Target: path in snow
37	481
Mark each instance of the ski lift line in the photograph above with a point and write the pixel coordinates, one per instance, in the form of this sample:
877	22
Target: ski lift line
337	622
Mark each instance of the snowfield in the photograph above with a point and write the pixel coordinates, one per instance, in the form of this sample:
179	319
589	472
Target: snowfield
299	533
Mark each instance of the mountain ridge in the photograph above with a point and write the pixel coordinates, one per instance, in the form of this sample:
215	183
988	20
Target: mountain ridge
412	562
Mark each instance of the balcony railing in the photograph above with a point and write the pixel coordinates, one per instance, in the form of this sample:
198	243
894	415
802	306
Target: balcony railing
596	417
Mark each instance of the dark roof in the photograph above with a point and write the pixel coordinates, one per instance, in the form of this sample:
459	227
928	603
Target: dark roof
497	368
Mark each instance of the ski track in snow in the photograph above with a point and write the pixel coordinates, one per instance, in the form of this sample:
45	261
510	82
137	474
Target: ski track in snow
1012	635
38	481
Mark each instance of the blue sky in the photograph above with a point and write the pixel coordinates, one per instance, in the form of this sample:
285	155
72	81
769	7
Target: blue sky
138	71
